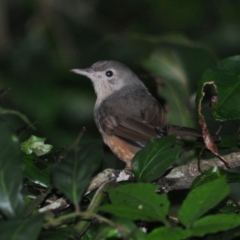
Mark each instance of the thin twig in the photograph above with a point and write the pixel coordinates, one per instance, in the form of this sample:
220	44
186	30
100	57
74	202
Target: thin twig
77	140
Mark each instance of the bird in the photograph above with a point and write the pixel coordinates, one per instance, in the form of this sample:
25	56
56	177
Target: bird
125	112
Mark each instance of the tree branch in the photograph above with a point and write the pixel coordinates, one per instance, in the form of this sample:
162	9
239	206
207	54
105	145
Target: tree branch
180	177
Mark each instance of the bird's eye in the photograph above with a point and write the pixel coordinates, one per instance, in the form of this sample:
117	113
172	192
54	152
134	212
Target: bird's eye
109	73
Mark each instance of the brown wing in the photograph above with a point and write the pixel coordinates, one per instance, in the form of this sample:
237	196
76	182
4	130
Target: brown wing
136	130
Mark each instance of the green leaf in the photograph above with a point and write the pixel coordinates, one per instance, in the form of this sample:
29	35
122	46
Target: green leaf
11	200
133	231
202	199
36	145
35	174
226	235
152	161
31	205
226	81
212	174
126	229
228	141
58	234
27	228
73	174
168	65
167	233
208	176
215	223
230	207
179	65
138	201
19	114
231	177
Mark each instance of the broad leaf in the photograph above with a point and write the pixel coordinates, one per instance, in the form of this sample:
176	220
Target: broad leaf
19	114
133	231
10	173
126	229
169	67
57	234
178	65
225	79
215	223
36	145
152	161
167	233
72	175
27	228
231	206
229	141
138	201
202	199
212	174
35	174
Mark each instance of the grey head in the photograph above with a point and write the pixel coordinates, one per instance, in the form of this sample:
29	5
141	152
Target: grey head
108	77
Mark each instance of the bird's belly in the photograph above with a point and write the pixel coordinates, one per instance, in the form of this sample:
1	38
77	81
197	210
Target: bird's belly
121	149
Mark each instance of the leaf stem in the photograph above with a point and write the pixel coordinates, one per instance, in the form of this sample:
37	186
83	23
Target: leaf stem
90	214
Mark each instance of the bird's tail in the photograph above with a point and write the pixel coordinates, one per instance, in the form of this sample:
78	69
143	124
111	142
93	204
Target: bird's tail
189	132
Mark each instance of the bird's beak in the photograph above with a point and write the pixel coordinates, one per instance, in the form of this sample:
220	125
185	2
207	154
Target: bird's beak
84	71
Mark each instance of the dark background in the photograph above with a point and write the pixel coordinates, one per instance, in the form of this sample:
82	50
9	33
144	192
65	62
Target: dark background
40	41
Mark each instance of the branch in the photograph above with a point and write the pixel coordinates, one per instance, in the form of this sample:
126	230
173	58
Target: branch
180	177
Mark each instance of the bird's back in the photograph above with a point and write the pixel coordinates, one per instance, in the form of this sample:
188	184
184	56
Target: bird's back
128	102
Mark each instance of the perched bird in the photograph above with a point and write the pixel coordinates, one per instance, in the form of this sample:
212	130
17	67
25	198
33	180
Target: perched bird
125	112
